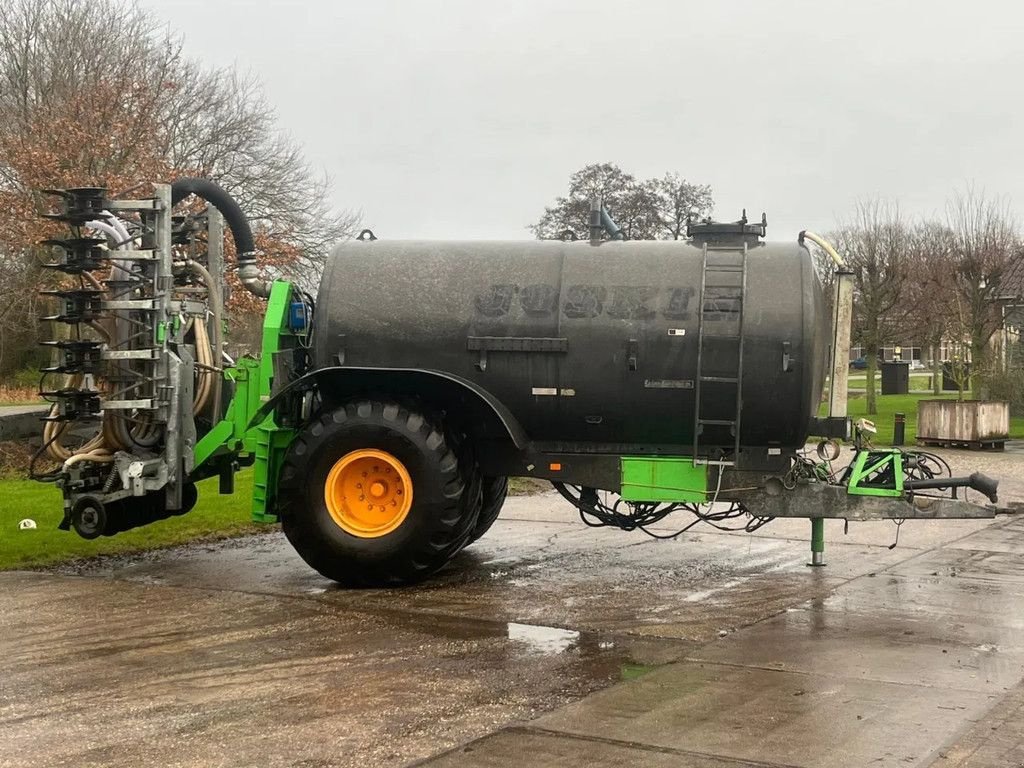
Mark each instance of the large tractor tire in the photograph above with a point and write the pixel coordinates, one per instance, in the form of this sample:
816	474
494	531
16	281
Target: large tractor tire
372	494
494	491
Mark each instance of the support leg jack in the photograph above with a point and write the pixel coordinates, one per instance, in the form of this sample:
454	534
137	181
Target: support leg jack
817	542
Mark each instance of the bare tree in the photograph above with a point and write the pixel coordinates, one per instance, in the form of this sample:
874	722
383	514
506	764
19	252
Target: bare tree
652	209
571	213
877	246
928	287
73	113
219	124
987	270
99	92
679	202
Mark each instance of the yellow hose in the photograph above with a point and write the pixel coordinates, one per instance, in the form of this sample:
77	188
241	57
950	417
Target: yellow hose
204	358
825	246
97	456
217	342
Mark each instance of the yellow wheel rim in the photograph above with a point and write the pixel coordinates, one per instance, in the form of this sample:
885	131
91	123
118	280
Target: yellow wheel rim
368	493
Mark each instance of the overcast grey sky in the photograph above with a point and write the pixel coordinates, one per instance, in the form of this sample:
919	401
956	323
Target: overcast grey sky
462	118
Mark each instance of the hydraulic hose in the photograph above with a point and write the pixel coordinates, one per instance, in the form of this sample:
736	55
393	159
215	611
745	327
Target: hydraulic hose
218	197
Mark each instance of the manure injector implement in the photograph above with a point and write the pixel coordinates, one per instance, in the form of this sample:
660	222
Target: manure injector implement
383	419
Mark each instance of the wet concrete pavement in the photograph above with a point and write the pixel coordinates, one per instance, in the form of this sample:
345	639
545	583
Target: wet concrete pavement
547	642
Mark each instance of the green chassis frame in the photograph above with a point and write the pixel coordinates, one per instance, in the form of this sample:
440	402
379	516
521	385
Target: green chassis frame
676	479
868	464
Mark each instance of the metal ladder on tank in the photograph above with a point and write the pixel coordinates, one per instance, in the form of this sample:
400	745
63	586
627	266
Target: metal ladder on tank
724	272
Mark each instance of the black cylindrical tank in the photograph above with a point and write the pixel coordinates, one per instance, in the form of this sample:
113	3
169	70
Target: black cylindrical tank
595	344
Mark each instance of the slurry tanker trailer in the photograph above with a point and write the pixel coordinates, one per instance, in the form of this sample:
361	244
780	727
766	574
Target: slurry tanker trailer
383	417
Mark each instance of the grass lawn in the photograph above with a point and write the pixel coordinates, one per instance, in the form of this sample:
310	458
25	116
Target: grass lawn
889	405
213	516
918	381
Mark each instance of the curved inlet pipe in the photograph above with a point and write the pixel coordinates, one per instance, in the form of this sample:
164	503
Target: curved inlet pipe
842	327
218	197
824	244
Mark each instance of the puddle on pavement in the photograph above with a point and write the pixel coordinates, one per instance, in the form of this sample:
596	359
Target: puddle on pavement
543	639
593	655
585	655
590	658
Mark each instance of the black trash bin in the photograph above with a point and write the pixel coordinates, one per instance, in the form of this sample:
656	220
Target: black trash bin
895	378
949	380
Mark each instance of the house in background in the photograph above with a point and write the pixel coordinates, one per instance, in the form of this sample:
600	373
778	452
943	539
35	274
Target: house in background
908	353
1005	344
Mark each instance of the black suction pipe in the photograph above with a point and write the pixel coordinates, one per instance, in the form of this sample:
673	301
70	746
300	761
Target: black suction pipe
219	198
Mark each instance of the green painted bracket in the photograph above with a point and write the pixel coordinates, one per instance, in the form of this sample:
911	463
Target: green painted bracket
866	464
663	478
235	434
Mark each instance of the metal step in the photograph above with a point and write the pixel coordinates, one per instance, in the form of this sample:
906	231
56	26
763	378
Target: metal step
722	336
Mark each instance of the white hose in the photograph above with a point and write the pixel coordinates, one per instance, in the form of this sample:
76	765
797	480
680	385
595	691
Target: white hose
124	239
107	229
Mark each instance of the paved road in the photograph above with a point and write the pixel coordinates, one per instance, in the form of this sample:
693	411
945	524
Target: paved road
547	643
17	421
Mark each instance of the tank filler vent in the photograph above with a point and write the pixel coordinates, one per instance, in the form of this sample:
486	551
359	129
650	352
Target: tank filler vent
738	232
